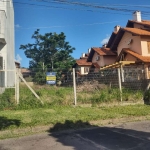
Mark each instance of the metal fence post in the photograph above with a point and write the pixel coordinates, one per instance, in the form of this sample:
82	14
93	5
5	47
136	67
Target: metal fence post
74	87
119	81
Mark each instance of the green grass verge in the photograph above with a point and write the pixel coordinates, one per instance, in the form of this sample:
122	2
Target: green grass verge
22	119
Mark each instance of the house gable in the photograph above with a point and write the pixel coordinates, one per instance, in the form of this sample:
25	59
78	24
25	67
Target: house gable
130	41
111	39
102	56
130	38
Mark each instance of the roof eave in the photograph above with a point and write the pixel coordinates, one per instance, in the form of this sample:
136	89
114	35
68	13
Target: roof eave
119	37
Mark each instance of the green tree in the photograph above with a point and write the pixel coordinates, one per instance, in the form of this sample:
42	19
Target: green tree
48	52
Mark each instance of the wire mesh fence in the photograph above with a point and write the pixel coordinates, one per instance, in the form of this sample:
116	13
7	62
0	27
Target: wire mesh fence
96	86
52	87
104	85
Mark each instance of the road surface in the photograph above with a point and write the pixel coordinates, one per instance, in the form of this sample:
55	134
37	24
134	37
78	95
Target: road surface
127	136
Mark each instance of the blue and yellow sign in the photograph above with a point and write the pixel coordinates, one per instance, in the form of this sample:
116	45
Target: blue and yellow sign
51	78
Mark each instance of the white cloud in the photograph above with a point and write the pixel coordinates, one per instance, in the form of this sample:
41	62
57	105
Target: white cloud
105	40
18	58
17	26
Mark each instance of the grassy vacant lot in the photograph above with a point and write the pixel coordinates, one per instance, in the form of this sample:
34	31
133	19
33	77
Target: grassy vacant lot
58	112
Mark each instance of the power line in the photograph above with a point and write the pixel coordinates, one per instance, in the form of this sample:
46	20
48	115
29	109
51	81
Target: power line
63	8
127	13
85	5
69	25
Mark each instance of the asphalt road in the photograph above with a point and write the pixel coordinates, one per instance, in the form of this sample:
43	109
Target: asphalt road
127	136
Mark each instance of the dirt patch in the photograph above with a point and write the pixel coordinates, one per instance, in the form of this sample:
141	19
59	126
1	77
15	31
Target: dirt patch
90	86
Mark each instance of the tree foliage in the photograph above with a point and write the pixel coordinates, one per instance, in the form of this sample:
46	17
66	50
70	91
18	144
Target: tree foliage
48	52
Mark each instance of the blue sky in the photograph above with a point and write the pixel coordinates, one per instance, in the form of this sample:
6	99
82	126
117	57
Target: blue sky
85	23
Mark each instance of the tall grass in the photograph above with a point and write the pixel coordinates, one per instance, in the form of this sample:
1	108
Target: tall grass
109	95
63	96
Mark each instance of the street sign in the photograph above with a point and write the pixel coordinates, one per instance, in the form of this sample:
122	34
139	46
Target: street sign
51	78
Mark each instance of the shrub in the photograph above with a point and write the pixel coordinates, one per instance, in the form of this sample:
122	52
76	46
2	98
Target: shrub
147	97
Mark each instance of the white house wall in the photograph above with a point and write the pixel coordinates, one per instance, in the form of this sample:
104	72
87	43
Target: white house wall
7	50
100	62
135	45
82	70
144	40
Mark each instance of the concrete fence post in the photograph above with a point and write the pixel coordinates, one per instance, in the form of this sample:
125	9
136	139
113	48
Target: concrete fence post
119	81
17	86
74	87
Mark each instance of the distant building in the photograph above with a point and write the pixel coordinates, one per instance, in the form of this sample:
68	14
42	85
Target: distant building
81	65
17	64
7	63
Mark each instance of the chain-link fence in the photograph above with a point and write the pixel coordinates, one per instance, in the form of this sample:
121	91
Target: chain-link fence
127	83
71	87
53	87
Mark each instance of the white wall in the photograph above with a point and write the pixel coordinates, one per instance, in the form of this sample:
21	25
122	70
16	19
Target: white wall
82	70
135	45
7	49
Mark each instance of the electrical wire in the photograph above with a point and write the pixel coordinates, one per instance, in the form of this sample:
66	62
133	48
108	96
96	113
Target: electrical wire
86	5
126	11
100	23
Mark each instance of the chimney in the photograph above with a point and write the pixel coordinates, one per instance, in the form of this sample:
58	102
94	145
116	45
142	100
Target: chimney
137	16
89	50
104	46
83	54
116	28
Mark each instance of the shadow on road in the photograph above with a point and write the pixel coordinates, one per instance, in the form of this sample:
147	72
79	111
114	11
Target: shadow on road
5	123
100	138
69	125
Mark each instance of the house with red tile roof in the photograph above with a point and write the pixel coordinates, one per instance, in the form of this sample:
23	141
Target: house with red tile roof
96	58
82	65
132	43
101	57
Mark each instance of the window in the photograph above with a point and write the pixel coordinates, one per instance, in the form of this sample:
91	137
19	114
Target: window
148	47
86	69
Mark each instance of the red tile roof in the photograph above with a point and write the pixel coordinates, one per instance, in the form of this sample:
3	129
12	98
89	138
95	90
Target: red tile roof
83	62
143	22
136	31
24	70
103	51
145	59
